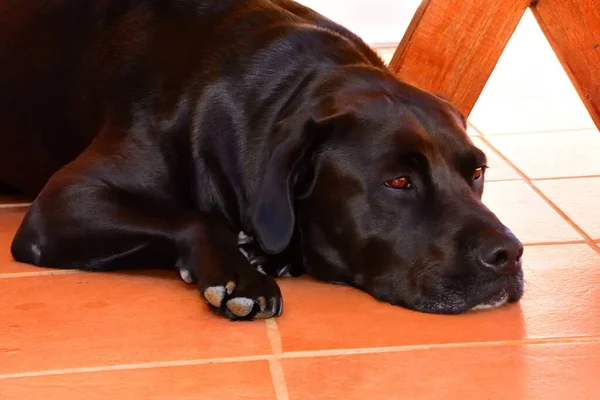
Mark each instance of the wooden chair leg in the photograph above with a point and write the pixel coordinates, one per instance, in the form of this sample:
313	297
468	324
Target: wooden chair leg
452	46
573	29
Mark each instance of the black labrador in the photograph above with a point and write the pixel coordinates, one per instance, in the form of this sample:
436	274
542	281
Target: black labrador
153	132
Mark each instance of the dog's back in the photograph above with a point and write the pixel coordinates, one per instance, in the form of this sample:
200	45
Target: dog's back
63	62
56	59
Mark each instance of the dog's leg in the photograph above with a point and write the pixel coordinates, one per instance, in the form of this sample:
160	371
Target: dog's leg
273	265
97	228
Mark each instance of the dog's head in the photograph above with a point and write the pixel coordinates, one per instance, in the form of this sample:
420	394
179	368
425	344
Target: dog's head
384	186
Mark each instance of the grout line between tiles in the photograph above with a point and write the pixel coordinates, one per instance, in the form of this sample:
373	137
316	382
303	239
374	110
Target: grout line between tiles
39	273
14	205
595	246
278	379
274	337
147	365
560	178
503	180
563	341
533	187
559	243
401	349
277	374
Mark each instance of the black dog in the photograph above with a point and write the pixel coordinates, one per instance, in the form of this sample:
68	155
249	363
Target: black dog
160	129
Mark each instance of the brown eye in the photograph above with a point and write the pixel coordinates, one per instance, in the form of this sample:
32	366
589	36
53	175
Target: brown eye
478	173
401	182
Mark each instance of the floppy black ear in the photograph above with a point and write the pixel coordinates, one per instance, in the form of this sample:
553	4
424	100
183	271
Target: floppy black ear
273	216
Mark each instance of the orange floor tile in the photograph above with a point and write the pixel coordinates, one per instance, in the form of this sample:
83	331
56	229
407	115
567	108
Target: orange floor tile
503	372
315	324
146	335
85	319
247	380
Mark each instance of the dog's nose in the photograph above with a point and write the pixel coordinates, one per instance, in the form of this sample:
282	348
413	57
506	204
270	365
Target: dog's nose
502	253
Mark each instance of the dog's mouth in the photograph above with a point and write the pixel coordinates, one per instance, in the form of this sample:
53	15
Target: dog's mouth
481	296
511	292
497	300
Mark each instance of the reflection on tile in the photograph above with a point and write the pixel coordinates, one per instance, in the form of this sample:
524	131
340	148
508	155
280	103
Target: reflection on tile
10	218
552	372
91	319
9	200
323	316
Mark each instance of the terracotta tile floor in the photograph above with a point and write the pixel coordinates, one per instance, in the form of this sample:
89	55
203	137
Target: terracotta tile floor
71	335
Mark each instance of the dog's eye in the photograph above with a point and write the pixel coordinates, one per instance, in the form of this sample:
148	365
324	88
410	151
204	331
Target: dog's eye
478	173
401	182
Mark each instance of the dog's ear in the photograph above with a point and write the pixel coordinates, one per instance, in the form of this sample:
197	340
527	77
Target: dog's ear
272	212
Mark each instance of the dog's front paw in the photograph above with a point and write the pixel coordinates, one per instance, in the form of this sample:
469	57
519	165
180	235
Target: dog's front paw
241	293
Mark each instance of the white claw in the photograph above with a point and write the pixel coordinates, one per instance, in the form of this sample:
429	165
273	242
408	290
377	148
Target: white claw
186	276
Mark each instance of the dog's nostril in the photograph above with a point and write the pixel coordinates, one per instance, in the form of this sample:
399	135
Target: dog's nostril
499	257
502	256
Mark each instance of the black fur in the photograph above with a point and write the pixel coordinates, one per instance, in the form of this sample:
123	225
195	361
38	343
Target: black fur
153	131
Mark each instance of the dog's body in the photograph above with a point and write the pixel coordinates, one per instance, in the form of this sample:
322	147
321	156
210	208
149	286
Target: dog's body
174	125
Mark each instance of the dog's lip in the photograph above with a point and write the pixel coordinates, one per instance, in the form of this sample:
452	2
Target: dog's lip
494	301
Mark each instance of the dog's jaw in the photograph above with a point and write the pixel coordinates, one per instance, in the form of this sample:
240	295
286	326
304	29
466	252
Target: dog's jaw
494	302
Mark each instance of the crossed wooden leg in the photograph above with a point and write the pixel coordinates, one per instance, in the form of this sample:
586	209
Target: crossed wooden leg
452	46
